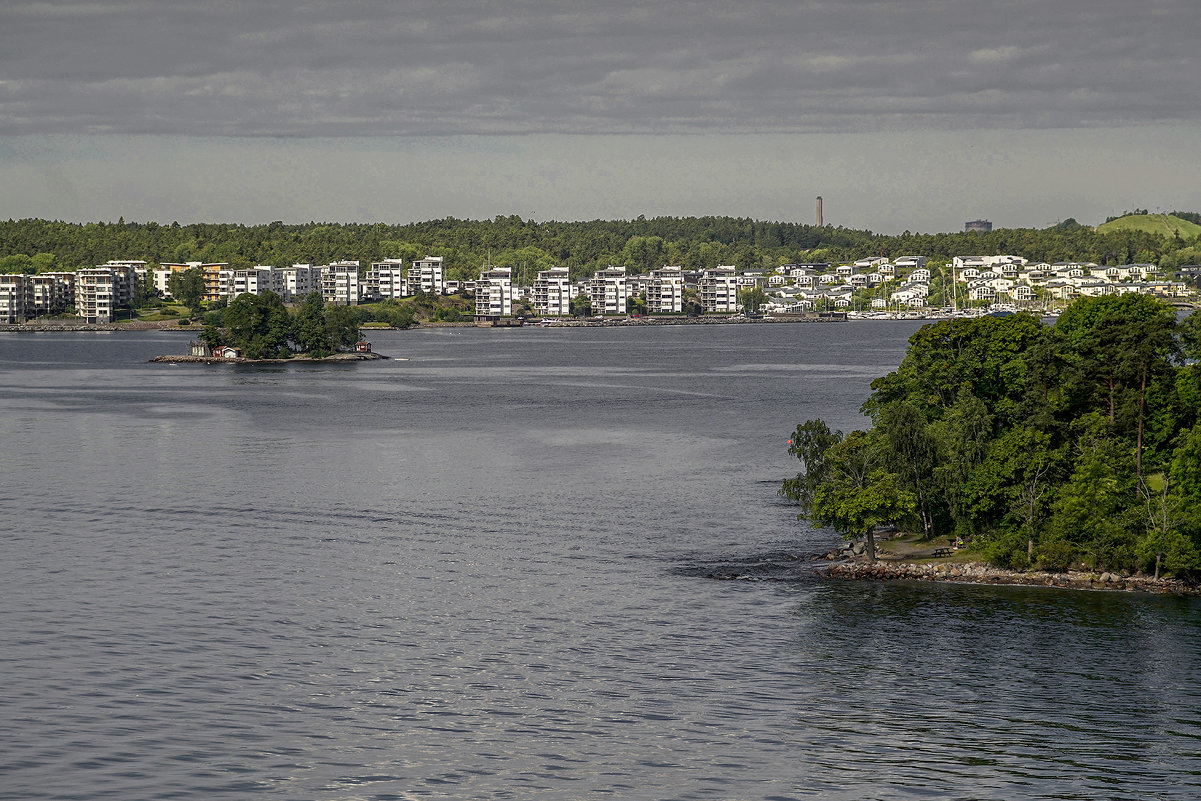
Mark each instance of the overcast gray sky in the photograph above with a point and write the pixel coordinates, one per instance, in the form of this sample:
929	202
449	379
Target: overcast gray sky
909	114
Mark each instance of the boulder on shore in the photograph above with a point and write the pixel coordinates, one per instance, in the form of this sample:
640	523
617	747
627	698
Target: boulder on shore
979	573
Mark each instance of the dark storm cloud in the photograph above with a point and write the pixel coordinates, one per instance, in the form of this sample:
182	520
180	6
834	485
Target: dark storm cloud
418	68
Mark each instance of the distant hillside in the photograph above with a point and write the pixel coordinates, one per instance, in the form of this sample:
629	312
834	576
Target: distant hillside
1161	224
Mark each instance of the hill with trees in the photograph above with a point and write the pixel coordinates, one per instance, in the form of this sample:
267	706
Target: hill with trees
35	245
1041	446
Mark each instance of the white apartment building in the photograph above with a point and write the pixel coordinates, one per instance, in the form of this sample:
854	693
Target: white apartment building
158	281
52	292
133	268
297	282
552	292
494	294
16	298
719	290
637	284
340	283
255	281
425	275
608	292
665	295
961	263
100	291
385	280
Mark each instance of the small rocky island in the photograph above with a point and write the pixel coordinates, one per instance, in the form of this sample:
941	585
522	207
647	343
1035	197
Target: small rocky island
303	357
258	329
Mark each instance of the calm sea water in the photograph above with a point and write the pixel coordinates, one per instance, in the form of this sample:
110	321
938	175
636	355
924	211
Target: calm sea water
479	573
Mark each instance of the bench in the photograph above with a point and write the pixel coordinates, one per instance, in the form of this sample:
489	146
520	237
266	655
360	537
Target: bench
942	552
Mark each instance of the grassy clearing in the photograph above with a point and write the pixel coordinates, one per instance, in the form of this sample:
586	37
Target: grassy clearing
1161	224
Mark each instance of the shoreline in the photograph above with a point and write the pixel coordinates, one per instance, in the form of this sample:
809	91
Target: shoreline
981	573
337	357
551	322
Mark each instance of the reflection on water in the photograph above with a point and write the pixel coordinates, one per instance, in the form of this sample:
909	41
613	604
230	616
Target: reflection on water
480	573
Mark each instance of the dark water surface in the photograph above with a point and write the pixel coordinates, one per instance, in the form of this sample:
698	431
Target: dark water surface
477	574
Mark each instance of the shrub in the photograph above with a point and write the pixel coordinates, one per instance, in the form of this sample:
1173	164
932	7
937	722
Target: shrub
1004	549
1055	556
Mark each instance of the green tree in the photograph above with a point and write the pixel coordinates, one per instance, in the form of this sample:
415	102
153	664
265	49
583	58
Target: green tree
810	443
1164	542
752	298
17	263
309	332
211	336
859	494
342	325
187	287
259	325
912	452
581	306
643	253
1092	510
44	262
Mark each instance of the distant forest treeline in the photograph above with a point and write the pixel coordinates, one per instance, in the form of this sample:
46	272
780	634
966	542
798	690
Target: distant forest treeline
642	244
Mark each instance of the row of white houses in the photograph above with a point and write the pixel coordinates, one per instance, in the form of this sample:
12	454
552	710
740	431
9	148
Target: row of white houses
608	291
96	293
969	279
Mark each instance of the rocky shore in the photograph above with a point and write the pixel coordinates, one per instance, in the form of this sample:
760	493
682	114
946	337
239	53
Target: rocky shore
55	327
337	357
979	573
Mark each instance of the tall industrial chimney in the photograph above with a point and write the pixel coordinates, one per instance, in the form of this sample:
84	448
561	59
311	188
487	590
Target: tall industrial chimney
819	211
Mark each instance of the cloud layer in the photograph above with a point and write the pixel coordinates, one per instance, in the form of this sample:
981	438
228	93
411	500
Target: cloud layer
376	68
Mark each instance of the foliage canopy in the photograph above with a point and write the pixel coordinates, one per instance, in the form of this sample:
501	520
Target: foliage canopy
1077	443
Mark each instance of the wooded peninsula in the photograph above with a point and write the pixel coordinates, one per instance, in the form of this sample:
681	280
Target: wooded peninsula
1049	447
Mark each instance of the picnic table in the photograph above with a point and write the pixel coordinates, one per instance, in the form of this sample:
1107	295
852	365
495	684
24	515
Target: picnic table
947	551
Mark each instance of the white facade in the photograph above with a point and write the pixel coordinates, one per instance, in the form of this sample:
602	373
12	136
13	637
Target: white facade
340	283
53	292
608	292
100	291
298	281
158	280
16	298
386	280
425	275
719	290
552	292
494	294
960	263
665	294
255	281
134	270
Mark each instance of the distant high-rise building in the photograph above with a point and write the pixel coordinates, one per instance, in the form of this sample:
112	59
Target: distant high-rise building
819	211
979	226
